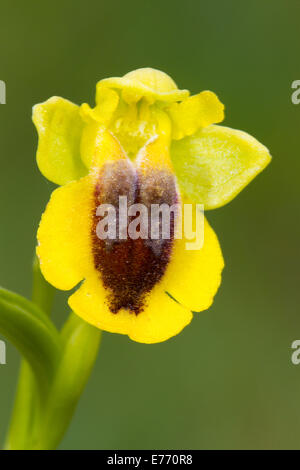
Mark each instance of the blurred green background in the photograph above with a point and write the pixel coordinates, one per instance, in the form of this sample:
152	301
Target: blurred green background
226	381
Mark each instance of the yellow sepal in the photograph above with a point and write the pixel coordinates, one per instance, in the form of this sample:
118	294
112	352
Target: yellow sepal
214	164
59	127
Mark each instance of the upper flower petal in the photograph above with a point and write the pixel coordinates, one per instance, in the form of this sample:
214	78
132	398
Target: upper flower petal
59	127
195	112
148	83
216	163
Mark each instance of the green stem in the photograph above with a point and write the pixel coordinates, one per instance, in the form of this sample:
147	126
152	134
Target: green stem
26	411
33	334
80	349
42	414
42	292
24	414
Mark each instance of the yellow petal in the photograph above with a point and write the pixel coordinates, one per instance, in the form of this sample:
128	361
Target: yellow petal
214	164
155	155
88	142
195	112
107	102
59	127
95	119
148	83
107	149
64	234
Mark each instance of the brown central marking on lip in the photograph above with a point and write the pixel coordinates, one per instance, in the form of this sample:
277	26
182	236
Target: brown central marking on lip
129	268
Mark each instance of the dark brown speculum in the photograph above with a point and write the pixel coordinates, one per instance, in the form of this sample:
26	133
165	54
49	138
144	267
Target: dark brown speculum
130	268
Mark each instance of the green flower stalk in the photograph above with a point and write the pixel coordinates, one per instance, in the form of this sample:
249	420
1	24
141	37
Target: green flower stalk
54	371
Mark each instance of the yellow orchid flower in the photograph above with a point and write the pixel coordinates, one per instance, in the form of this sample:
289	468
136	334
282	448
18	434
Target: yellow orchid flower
153	143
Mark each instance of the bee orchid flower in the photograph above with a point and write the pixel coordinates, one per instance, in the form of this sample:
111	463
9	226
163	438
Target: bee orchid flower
153	144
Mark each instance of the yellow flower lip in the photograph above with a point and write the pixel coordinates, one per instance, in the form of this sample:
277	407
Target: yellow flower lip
125	281
148	83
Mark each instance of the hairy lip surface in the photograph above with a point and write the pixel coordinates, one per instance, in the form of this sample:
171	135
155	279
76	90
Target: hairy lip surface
129	269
